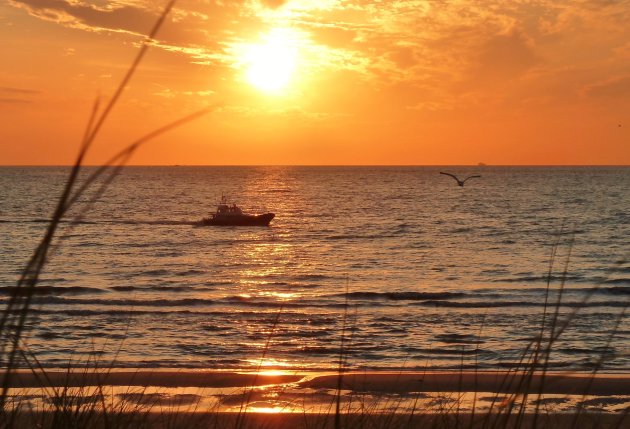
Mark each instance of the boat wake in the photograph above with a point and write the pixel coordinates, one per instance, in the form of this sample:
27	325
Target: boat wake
165	222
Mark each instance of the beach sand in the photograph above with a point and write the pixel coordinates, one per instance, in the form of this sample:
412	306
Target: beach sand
572	383
280	399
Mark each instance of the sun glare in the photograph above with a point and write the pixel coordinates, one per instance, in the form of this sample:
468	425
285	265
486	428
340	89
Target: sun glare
272	63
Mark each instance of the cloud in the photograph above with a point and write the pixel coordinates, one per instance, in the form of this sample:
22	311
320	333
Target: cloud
505	56
336	35
274	4
169	93
446	53
10	95
111	17
9	90
615	87
14	101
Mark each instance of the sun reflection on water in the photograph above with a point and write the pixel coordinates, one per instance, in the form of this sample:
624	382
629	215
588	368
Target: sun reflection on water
274	372
267	362
268	410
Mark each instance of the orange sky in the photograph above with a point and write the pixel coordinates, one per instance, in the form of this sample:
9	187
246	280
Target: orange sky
322	82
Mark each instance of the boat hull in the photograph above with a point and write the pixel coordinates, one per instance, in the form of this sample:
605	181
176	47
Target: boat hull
242	220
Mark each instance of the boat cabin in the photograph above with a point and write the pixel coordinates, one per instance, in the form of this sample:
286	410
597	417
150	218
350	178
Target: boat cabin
226	210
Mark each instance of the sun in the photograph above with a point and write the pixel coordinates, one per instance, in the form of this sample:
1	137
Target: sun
272	63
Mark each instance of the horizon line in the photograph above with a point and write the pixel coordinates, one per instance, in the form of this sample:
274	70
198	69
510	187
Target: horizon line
323	165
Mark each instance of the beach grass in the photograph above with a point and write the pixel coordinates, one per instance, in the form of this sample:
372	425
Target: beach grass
91	394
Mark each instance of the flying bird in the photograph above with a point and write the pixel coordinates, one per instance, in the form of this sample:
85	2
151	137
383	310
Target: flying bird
459	182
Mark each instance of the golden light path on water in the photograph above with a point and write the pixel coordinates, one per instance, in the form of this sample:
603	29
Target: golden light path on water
273	363
427	282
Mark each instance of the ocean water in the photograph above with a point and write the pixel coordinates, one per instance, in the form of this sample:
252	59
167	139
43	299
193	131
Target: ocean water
418	272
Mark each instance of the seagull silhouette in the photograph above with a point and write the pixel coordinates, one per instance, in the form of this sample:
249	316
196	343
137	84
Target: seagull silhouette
459	182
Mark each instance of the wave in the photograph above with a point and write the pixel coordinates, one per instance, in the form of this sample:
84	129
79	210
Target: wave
164	272
567	232
458	339
600	350
319	350
537	365
303	277
182	302
357	237
519	279
49	290
499	304
126	312
165	222
40	220
598	290
153	222
302	303
540	278
178	288
401	296
190	272
278	191
220	315
613	290
459	351
618	281
155	273
460	230
192	304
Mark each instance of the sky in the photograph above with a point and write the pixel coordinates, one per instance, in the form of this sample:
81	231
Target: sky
305	82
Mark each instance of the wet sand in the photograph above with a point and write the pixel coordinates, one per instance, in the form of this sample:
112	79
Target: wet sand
275	399
570	383
348	421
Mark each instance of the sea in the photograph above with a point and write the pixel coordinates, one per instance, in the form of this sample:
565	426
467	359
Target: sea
394	268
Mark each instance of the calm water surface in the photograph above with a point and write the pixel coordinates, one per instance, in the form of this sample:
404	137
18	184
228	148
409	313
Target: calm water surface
434	275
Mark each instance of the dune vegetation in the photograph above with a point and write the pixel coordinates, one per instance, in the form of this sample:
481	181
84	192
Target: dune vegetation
90	393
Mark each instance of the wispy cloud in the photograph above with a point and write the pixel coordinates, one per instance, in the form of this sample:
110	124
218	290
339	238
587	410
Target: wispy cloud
9	90
455	47
618	86
10	95
113	16
14	101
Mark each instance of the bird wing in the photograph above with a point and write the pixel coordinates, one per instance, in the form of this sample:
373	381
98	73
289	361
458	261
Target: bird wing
470	177
452	175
